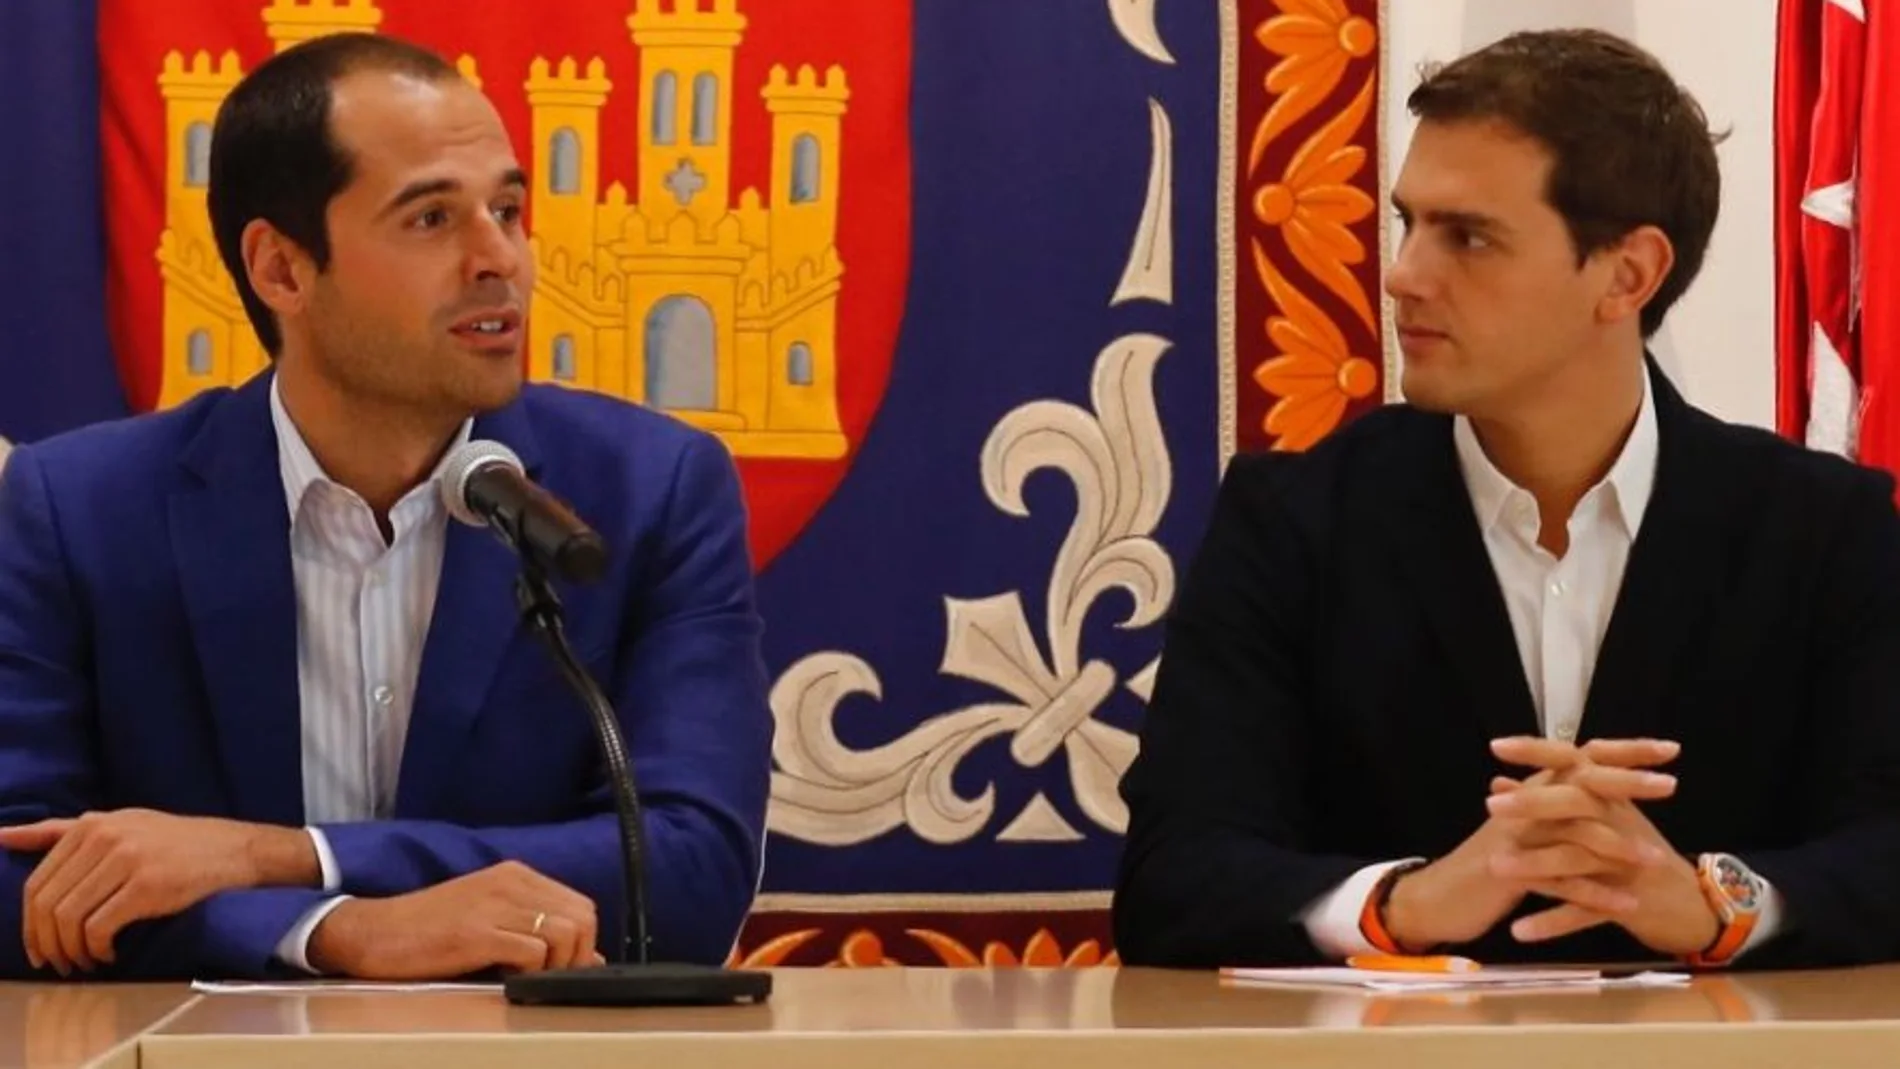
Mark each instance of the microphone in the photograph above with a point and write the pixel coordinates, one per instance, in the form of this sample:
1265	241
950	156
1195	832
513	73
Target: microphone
484	485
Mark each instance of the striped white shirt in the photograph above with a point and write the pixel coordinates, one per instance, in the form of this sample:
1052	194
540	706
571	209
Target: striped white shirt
363	612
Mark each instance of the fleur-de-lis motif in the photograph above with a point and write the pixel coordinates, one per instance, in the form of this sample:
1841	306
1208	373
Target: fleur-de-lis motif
828	792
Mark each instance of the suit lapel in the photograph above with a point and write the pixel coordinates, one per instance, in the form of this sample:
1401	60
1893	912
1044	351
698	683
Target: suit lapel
230	530
474	622
1442	550
1674	573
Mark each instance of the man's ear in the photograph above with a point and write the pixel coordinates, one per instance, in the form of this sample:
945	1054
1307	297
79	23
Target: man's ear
278	268
1638	265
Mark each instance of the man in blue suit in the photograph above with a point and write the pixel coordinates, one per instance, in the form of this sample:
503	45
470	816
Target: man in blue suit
263	708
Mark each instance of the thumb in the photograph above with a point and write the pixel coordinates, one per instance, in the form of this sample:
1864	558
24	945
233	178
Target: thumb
35	838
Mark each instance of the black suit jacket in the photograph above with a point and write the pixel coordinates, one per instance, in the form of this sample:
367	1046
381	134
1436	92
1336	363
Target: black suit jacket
1340	655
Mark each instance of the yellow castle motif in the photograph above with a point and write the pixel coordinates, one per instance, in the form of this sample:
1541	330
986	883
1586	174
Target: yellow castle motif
723	314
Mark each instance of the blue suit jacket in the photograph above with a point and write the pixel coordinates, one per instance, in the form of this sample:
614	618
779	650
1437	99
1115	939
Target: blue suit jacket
148	658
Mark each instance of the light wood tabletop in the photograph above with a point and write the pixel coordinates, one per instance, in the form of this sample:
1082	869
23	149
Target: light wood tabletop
1102	1018
81	1026
1036	1019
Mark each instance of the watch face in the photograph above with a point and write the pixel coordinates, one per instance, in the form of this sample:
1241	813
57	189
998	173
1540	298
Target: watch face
1737	884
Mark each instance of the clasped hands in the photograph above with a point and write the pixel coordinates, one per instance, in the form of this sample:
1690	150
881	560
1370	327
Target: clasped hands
1570	831
104	871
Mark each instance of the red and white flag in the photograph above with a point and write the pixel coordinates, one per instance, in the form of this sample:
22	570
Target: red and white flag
1837	227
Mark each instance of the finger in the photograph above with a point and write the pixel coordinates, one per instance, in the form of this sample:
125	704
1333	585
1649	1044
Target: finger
587	928
1548	863
1555	924
1503	784
29	938
72	913
531	890
62	867
1532	752
1560	801
1631	753
49	865
104	925
578	920
68	897
1623	784
554	896
1593	895
511	950
1595	836
34	838
563	938
539	892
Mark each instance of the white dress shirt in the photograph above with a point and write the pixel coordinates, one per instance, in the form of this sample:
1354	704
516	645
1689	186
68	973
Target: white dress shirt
363	612
1559	609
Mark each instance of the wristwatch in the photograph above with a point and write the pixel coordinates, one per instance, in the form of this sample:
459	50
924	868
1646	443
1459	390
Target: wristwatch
1737	896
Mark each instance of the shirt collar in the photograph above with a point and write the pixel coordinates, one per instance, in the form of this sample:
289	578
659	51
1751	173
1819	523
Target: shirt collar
1633	476
1631	479
299	466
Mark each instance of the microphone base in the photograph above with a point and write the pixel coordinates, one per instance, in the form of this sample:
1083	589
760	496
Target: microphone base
655	984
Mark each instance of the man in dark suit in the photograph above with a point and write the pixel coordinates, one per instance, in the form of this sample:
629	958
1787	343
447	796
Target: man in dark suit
1546	664
263	708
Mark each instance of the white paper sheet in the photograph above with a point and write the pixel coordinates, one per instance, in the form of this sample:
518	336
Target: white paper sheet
330	987
1373	980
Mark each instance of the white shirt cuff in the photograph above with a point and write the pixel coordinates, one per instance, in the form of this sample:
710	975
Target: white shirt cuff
294	948
1332	922
326	861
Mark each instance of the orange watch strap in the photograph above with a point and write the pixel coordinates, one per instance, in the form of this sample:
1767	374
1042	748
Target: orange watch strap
1728	943
1372	914
1734	932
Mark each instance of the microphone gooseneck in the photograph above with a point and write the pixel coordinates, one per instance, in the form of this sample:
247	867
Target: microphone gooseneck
484	484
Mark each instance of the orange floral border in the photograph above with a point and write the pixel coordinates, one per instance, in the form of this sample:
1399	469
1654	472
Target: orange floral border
1067	939
1309	190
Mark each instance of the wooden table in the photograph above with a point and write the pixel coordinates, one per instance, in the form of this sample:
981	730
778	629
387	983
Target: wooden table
1101	1019
76	1026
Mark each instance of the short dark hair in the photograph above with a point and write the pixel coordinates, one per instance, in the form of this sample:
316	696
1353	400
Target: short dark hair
273	156
1629	146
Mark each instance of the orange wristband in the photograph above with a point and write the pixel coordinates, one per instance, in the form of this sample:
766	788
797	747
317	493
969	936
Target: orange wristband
1734	893
1372	916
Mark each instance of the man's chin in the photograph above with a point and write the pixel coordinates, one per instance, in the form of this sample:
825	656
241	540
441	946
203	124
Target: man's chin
498	398
1424	392
488	392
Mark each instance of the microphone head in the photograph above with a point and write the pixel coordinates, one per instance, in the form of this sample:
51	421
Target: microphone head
464	461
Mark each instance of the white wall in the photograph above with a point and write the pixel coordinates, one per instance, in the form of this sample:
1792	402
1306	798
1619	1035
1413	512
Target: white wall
1718	343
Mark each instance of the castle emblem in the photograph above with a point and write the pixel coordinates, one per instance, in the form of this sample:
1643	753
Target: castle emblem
721	310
